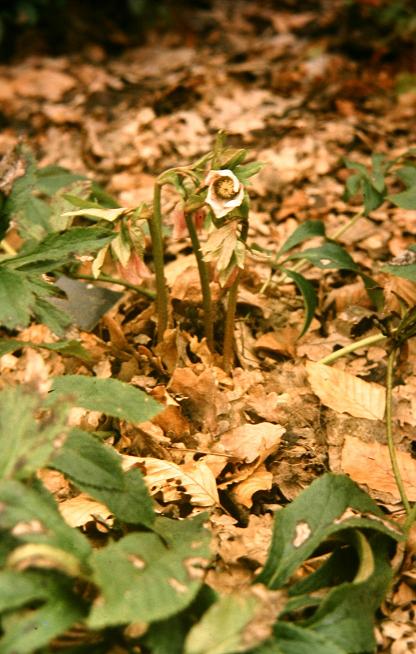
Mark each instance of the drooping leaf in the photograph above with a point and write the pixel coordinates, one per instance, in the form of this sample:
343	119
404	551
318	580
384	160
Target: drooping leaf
328	255
155	579
330	504
34	518
109	214
308	294
26	444
57	249
308	229
112	397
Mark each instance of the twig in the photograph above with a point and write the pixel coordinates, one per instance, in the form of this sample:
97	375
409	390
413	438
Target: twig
113	280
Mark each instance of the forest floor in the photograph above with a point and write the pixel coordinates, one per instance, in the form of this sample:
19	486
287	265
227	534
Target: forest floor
300	95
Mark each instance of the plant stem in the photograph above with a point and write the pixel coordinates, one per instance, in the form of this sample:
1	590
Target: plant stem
155	228
113	280
228	347
357	345
389	430
204	279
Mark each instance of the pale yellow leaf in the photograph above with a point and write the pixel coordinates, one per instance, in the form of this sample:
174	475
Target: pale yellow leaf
346	393
82	509
369	463
170	479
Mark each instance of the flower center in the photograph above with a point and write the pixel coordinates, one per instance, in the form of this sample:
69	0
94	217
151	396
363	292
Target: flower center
224	188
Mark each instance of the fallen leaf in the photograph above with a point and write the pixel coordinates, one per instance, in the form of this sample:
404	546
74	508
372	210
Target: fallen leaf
250	442
345	393
261	479
194	478
369	463
82	509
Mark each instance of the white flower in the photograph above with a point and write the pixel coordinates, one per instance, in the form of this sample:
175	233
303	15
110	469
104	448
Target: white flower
225	192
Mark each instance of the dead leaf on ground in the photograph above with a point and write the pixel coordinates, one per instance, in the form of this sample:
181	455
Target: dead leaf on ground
345	393
80	510
261	479
173	481
250	442
369	463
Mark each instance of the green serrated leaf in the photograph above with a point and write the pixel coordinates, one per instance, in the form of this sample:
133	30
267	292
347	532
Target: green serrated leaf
309	297
305	231
112	397
34	518
154	580
52	178
16	299
30	629
330	504
26	444
55	318
57	249
88	462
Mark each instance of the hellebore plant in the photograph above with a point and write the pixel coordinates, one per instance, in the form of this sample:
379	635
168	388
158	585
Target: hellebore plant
222	188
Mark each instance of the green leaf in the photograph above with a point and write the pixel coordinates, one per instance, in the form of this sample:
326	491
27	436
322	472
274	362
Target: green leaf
52	178
346	614
372	198
244	171
155	580
96	469
407	174
66	348
26	443
110	396
16	300
29	629
405	271
319	511
292	639
57	249
34	518
405	199
305	231
87	461
57	320
221	629
328	255
309	297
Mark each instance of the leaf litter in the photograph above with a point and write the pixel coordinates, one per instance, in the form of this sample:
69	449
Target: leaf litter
242	444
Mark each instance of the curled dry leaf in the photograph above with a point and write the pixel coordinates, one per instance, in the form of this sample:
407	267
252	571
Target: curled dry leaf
346	393
173	481
261	479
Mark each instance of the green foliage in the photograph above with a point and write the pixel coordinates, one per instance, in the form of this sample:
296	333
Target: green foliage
154	574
